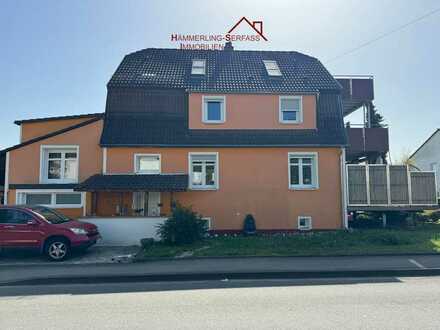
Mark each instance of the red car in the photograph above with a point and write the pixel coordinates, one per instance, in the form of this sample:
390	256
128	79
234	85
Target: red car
45	229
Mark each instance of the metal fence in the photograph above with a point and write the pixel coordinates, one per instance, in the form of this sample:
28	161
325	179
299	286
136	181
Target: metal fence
389	185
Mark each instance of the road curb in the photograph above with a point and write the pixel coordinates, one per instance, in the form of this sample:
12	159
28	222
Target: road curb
222	276
416	254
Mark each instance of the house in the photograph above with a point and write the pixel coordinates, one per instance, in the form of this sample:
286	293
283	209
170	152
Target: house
427	156
229	132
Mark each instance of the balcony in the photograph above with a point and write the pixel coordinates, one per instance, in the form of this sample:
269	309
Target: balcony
356	91
367	143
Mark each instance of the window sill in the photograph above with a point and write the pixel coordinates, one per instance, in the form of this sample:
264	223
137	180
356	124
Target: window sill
305	229
46	181
203	188
217	122
303	188
290	122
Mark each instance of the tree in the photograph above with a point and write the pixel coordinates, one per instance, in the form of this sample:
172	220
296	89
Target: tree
376	119
405	159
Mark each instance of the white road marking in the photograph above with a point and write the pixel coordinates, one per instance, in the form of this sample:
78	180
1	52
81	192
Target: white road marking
416	263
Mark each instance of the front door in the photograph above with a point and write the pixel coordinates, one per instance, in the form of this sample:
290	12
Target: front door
153	204
146	203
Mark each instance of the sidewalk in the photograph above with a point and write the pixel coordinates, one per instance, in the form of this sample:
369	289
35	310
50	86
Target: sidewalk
221	268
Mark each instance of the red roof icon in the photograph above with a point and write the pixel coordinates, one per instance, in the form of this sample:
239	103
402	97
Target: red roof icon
256	25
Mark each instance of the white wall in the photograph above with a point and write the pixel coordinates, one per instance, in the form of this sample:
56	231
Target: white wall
428	157
125	231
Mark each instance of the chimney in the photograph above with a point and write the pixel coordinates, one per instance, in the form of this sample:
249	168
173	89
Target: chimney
258	25
228	46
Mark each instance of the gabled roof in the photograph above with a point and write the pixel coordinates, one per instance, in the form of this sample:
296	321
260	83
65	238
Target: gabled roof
51	134
34	120
161	130
227	71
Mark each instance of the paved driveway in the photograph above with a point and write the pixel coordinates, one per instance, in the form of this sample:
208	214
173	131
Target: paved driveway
93	255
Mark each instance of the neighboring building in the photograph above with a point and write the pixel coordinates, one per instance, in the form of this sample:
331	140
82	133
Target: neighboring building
427	156
228	132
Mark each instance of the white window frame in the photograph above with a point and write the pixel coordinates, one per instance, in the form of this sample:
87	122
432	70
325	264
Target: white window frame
53	193
138	171
198	66
315	171
299	118
44	163
217	165
272	72
307	218
205	100
209	222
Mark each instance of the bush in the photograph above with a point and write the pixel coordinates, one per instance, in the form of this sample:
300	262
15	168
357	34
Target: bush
249	227
147	242
184	226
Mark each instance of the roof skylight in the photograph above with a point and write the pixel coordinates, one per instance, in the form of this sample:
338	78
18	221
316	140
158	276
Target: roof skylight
198	67
272	68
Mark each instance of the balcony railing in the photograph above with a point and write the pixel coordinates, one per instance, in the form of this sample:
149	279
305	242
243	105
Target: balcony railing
365	141
390	186
356	91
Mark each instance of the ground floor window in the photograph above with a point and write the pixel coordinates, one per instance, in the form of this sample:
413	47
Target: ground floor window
65	199
304	222
303	170
203	171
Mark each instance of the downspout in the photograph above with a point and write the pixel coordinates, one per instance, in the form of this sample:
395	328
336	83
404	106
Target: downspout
104	160
6	179
343	190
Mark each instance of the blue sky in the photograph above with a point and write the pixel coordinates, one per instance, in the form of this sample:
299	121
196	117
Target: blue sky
57	56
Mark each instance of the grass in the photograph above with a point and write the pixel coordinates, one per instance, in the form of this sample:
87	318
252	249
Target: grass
423	239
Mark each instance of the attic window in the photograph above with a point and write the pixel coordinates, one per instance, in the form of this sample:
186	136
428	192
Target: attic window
272	68
198	67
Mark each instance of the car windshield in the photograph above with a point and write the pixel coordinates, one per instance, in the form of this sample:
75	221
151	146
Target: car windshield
50	215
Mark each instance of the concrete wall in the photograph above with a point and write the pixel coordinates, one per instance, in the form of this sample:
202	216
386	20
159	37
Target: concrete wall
120	231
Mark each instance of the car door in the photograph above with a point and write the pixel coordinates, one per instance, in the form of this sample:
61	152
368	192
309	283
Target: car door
4	223
18	228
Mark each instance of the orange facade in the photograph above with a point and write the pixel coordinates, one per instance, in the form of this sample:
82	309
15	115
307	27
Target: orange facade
24	163
251	180
251	111
35	129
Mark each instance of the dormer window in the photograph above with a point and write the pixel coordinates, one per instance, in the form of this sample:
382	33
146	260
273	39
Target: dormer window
198	67
272	68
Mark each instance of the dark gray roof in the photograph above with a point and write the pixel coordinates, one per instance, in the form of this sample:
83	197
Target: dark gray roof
133	182
237	71
146	129
34	120
42	185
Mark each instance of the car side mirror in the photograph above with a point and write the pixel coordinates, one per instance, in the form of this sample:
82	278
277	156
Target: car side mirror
32	222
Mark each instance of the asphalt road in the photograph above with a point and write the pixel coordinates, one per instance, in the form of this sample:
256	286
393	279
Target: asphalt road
15	273
381	303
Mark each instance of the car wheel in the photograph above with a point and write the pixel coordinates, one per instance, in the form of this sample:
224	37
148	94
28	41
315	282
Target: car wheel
57	249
